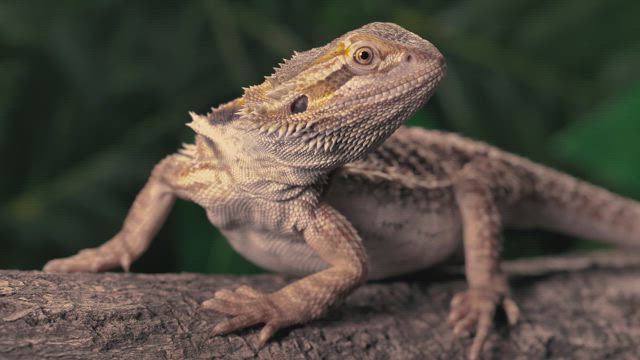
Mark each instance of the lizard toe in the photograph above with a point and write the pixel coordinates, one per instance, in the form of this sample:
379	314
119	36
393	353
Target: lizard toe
53	266
249	307
236	323
464	326
473	311
87	260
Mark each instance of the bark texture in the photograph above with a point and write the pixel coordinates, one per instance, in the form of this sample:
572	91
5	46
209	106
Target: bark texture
574	307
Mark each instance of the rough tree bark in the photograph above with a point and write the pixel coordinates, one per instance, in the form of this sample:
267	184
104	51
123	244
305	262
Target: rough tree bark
575	307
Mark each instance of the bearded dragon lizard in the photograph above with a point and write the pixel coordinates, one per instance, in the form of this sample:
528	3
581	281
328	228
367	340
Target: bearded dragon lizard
312	173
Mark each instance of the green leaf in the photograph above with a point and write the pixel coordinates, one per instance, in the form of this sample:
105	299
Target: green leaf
423	119
605	143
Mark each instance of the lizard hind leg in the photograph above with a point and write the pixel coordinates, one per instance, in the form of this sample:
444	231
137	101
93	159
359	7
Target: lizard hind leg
488	288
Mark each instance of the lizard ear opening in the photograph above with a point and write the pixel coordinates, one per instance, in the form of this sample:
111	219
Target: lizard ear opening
299	105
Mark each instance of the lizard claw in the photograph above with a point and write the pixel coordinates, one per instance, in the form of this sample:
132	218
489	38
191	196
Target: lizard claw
125	262
475	309
248	307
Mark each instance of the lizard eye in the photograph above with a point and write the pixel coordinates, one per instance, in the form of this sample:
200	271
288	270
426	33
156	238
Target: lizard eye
363	56
300	104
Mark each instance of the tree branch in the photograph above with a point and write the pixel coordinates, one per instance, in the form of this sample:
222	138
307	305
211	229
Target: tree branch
580	306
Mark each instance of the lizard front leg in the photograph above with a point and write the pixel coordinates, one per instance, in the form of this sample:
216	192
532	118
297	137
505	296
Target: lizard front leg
488	287
335	240
146	216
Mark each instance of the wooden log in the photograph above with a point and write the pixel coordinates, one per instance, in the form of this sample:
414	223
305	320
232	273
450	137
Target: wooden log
573	307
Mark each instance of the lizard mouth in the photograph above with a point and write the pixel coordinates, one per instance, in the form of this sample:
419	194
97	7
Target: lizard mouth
379	110
423	81
411	91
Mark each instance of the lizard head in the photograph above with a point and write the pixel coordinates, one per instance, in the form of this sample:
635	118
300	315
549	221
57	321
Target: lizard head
330	105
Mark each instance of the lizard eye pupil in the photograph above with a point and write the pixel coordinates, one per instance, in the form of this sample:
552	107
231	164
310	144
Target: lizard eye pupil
300	104
363	55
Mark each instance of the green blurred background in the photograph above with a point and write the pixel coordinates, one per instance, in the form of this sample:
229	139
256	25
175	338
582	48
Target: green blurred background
93	93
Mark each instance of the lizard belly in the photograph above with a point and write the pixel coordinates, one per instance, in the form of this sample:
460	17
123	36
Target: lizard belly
402	231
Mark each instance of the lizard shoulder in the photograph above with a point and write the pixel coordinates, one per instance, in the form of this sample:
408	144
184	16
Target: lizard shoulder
415	158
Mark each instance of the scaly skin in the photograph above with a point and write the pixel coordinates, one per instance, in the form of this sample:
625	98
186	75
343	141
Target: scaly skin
311	173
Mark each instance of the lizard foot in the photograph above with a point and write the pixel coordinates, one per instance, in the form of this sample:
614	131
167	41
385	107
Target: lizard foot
475	308
249	307
91	260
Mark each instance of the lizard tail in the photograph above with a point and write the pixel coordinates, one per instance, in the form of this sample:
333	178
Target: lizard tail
565	204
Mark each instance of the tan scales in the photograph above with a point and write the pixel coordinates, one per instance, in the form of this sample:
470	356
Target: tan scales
312	173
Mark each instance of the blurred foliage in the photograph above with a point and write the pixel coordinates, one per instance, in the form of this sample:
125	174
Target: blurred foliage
93	93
